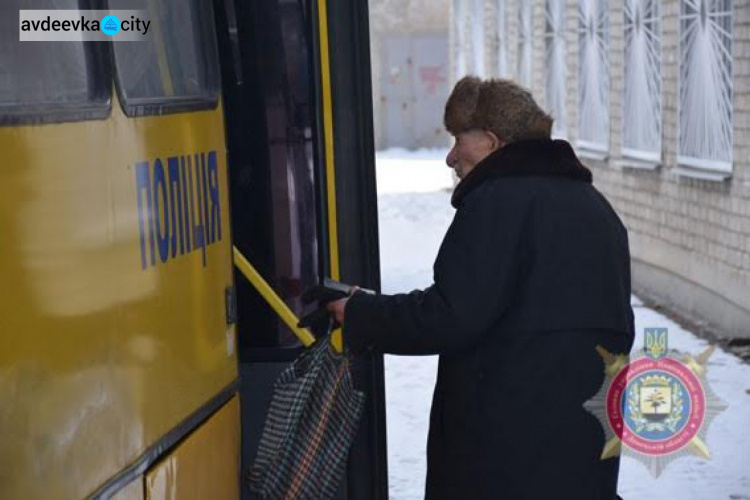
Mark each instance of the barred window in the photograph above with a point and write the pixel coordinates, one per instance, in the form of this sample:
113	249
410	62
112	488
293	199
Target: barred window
501	33
641	111
525	33
593	75
556	74
477	41
705	102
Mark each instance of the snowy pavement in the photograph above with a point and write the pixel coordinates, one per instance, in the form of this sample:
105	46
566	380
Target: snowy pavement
414	205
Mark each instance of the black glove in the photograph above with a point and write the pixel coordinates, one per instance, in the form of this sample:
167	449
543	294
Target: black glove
320	320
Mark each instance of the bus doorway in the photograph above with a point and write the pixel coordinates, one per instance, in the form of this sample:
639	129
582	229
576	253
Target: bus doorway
298	113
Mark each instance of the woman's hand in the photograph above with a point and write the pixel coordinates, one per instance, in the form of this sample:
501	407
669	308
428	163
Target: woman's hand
337	308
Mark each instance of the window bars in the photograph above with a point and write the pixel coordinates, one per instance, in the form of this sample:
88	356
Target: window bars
525	34
555	54
705	85
501	33
641	106
478	38
593	75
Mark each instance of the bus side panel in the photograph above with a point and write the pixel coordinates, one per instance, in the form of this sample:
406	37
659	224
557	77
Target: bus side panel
205	465
133	491
115	260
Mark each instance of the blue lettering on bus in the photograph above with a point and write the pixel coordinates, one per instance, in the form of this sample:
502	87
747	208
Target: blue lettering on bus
204	190
179	206
161	212
145	211
196	211
175	207
213	186
185	202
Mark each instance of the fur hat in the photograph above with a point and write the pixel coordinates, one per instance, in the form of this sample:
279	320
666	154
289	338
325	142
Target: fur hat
500	106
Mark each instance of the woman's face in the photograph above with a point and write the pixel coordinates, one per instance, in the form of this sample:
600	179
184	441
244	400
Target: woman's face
470	148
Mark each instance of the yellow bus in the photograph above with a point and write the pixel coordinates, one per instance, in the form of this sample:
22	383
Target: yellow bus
136	360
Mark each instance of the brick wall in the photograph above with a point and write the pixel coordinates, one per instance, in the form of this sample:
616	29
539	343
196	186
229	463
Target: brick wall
690	238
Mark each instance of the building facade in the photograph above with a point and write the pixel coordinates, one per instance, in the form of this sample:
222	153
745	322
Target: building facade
655	97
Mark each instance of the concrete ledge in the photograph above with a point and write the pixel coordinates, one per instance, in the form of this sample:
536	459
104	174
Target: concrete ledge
687	299
634	164
589	154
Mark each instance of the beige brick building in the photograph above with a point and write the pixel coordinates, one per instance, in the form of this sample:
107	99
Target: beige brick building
655	97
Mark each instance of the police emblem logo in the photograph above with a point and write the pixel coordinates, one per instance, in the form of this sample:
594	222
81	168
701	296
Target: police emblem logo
657	406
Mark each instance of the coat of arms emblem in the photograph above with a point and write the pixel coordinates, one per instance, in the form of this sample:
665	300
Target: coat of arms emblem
657	406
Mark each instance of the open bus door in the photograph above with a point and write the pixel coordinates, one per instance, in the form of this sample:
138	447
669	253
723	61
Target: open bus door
298	112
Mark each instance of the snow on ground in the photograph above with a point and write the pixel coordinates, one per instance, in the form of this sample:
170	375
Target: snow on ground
414	206
727	474
426	172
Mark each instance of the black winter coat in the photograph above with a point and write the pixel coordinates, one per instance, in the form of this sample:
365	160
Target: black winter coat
533	273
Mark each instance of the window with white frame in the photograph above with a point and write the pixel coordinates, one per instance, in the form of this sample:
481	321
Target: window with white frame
501	21
459	30
555	77
593	75
641	105
705	102
477	40
525	33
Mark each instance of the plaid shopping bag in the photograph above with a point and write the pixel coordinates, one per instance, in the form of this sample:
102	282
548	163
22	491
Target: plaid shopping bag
310	426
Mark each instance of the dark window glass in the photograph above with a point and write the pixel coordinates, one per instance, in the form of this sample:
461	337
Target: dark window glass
176	69
48	81
270	120
292	173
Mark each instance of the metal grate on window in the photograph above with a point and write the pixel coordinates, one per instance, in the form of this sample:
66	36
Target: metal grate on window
501	20
525	33
477	38
593	75
556	74
641	111
705	102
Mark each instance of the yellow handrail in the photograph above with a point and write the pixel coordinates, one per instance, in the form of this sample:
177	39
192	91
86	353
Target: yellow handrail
268	293
329	152
333	232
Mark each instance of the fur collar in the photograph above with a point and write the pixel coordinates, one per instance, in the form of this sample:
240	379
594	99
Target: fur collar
546	158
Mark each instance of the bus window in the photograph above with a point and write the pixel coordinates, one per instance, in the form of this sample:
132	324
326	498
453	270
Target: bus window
176	69
48	81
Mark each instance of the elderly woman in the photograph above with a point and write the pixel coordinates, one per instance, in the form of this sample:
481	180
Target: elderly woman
533	274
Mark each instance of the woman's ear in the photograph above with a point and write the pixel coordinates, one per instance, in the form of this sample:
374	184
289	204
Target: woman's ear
495	142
